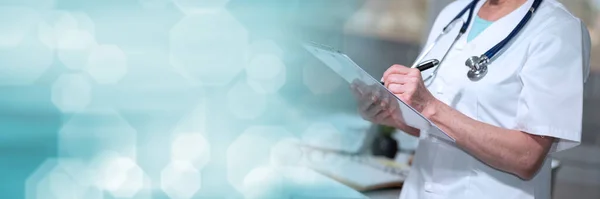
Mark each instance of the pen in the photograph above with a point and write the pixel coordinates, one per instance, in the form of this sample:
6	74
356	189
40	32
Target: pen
424	66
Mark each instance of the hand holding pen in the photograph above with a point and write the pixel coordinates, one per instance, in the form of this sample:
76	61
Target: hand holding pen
423	66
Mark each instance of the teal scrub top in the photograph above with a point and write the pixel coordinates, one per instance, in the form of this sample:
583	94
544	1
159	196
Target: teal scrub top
479	25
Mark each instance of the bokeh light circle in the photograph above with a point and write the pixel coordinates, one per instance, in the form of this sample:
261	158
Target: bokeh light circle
180	180
71	93
84	22
107	64
191	147
57	24
209	48
118	175
74	47
18	42
266	73
264	182
16	22
92	131
62	178
252	149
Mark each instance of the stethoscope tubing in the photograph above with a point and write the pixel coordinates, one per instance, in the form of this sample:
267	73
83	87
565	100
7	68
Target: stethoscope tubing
488	55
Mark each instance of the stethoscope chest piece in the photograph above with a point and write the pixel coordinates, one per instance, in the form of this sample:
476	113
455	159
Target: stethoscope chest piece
478	67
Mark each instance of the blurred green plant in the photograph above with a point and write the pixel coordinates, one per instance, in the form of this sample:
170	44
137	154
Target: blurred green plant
384	144
386	130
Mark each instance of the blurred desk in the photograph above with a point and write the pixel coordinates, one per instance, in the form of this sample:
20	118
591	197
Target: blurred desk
383	194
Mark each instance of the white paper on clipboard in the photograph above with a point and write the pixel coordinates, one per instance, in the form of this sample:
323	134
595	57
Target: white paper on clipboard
351	72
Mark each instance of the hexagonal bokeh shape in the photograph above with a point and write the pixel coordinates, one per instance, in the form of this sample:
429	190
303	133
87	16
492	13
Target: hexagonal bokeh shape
16	22
84	22
91	132
77	169
74	48
18	43
117	174
244	102
55	24
265	46
72	34
62	178
266	73
58	23
191	147
320	79
252	149
264	182
199	6
180	180
212	57
107	64
37	183
71	93
286	152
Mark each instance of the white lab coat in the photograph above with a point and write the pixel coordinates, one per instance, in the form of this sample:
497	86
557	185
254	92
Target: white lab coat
535	85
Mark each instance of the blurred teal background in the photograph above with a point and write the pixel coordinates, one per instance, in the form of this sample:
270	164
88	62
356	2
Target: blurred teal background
193	98
113	99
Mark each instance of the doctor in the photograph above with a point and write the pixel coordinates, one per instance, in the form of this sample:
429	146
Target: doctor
528	105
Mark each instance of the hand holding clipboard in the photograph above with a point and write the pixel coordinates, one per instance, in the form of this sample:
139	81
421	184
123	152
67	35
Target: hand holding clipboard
370	93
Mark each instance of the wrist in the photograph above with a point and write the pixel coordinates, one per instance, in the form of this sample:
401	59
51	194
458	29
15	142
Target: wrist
432	109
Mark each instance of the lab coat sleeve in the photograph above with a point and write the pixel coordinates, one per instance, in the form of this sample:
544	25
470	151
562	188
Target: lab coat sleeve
551	101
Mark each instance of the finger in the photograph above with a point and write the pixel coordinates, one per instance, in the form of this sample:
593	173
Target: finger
382	115
396	69
377	101
357	83
414	72
374	111
401	79
368	100
360	90
406	98
385	100
398	88
394	106
355	92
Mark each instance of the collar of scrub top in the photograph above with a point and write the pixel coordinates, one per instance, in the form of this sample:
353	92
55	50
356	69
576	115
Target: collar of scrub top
475	62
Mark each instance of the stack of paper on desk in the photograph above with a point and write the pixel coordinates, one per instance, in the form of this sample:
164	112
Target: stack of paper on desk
295	182
362	173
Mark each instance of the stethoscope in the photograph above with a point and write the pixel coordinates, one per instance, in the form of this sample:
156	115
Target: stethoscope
478	65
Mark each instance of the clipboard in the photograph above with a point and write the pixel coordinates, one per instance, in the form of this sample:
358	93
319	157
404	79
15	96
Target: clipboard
342	65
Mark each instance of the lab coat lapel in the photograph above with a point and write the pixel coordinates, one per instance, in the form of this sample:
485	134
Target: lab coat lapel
498	31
